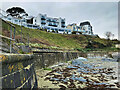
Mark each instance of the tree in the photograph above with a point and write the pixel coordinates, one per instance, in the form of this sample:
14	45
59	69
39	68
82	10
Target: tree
113	36
108	34
16	12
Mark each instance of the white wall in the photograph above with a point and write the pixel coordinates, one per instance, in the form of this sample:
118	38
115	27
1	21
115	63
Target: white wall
38	20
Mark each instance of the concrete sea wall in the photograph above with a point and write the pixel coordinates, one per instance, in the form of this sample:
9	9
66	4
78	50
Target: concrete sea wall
44	59
18	70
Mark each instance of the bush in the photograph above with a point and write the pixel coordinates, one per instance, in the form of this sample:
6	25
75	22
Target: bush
53	31
45	30
21	52
73	32
94	44
49	69
80	49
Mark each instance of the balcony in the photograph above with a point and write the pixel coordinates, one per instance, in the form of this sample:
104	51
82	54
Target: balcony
54	20
51	20
62	30
23	20
56	29
9	18
48	20
52	24
16	20
55	24
43	22
43	18
75	30
63	25
62	20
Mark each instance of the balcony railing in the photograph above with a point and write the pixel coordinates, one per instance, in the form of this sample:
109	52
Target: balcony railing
43	18
62	20
51	20
43	22
63	25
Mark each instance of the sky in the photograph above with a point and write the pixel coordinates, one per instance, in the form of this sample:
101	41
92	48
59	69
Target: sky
103	16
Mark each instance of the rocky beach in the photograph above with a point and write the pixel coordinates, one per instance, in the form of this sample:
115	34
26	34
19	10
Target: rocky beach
81	73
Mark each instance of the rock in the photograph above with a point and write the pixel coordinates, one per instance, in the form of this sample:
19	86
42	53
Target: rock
118	84
82	74
62	86
66	83
66	75
47	78
113	77
55	82
45	86
112	85
72	85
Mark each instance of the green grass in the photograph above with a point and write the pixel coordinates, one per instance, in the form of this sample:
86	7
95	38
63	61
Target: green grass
49	69
43	39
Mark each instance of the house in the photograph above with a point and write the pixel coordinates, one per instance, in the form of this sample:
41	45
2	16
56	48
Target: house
14	20
74	28
51	24
84	28
30	23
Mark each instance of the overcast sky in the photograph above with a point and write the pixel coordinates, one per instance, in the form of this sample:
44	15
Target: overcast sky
103	16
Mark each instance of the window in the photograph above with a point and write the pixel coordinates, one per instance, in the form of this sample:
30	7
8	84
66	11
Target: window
56	29
23	20
29	25
69	30
16	20
34	26
61	30
89	32
48	28
52	28
9	18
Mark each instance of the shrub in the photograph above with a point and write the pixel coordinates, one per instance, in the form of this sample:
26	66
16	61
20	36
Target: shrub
73	32
53	31
49	69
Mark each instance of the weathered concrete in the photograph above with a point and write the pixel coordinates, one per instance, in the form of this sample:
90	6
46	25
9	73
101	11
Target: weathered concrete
18	71
44	59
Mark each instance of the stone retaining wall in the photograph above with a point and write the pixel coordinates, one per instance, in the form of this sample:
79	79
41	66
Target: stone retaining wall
44	60
17	71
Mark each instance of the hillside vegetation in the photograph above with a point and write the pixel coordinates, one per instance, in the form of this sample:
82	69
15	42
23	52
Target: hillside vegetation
43	39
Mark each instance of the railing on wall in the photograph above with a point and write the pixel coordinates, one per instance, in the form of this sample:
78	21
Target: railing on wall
11	37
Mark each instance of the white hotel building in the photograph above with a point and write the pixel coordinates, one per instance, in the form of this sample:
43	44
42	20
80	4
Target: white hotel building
51	24
57	25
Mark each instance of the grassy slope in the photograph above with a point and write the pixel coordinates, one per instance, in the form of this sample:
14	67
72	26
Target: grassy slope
47	40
